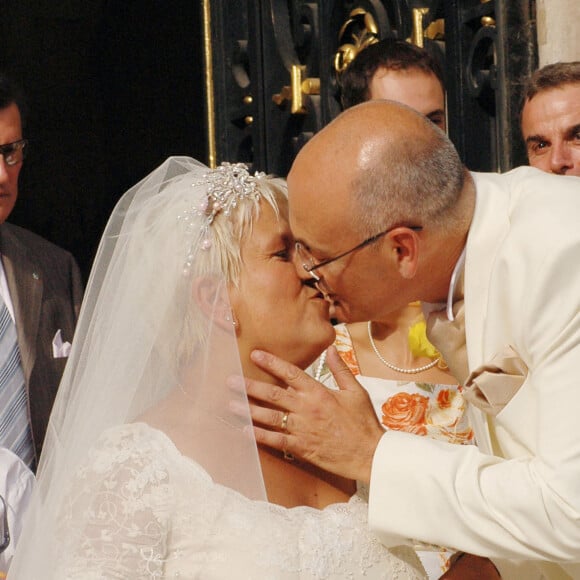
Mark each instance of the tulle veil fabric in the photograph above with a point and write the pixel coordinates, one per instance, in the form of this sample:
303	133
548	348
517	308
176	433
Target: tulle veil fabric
134	334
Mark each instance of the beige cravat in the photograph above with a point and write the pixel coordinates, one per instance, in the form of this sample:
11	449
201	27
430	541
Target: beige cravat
493	384
448	336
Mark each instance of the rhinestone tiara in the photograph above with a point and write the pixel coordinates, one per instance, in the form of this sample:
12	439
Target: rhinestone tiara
227	185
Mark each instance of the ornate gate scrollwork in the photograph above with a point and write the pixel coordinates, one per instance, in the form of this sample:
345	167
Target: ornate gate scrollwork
482	59
299	88
358	32
275	63
485	83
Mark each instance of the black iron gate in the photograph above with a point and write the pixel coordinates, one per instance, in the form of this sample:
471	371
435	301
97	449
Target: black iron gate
271	70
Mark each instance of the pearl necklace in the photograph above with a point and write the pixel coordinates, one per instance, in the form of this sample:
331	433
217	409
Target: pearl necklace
392	366
321	362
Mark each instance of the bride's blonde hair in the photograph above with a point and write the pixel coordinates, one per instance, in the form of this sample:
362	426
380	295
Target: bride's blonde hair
198	250
162	245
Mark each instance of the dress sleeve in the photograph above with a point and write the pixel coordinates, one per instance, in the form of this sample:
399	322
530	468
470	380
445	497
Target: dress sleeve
115	520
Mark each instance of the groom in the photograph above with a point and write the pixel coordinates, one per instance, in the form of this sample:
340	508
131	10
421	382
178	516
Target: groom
385	214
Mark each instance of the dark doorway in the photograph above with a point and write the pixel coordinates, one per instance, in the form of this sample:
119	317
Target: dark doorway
113	89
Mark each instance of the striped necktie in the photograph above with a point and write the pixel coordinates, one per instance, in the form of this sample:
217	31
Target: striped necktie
15	432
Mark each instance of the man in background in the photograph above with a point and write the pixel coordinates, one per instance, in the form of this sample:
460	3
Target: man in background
551	118
398	71
40	297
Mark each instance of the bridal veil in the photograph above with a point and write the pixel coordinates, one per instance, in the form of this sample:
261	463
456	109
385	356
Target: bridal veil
156	299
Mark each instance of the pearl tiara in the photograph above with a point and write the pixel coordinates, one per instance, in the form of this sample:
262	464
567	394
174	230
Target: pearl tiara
227	185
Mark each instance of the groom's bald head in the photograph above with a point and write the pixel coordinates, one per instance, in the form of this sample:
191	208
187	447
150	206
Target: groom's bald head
377	162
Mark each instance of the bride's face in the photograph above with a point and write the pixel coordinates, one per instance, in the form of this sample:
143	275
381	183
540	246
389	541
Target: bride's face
274	309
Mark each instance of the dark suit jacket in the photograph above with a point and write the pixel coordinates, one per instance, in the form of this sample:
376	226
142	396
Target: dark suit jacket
46	291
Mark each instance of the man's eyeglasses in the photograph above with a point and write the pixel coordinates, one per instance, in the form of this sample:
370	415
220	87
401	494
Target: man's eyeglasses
310	264
13	153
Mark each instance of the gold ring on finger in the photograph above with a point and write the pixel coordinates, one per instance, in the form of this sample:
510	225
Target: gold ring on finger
284	425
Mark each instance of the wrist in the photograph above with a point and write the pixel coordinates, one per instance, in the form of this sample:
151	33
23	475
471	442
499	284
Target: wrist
366	467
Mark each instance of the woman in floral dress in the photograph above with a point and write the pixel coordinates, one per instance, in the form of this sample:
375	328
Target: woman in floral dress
410	387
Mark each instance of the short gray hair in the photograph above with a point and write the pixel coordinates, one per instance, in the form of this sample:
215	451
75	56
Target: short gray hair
412	182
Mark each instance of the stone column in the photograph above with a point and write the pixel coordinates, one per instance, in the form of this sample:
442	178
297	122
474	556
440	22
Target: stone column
558	38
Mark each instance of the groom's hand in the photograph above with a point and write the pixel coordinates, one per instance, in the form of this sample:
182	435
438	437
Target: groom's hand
471	567
336	430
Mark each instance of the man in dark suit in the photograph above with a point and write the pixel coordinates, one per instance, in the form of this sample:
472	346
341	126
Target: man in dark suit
39	283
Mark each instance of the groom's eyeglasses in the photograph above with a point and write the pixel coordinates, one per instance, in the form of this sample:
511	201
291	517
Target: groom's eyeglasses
310	265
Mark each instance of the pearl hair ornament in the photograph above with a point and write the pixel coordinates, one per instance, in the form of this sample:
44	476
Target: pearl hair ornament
227	186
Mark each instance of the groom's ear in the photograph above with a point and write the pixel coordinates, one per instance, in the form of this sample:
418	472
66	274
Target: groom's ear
211	296
405	242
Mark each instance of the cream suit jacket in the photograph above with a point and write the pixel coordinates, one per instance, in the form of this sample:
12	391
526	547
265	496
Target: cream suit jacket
517	495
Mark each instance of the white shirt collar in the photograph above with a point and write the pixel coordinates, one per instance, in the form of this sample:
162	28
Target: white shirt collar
429	307
453	284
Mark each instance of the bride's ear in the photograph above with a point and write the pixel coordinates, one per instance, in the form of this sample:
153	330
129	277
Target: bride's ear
211	297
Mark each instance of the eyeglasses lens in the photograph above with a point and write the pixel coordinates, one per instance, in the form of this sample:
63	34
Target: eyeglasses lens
13	153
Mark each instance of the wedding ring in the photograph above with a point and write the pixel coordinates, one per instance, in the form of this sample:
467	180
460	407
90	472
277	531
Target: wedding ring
284	425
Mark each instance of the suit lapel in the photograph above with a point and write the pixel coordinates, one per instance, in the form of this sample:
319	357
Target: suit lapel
486	234
489	226
26	286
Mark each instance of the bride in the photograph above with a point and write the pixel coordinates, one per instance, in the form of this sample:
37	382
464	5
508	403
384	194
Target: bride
150	469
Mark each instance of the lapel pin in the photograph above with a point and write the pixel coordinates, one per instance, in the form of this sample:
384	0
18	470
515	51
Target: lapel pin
35	275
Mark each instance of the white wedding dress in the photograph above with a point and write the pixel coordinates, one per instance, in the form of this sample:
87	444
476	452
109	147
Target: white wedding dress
119	499
140	509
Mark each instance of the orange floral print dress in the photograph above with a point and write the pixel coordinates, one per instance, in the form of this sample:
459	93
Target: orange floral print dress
430	410
437	411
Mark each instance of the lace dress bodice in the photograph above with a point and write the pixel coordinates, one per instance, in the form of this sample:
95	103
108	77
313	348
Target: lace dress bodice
140	509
